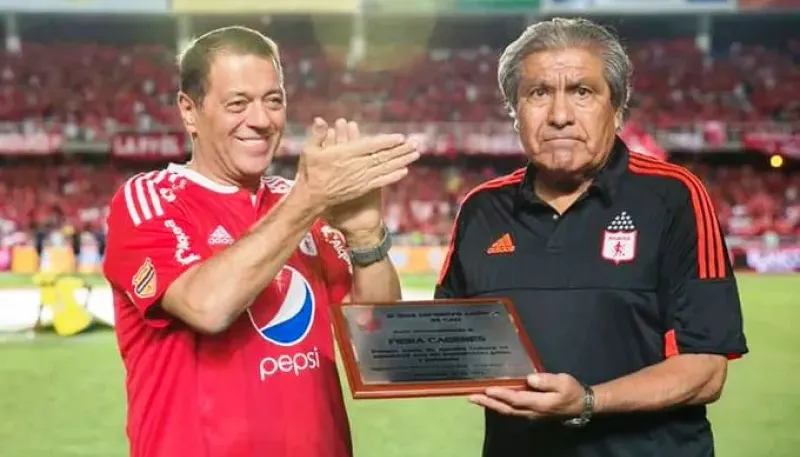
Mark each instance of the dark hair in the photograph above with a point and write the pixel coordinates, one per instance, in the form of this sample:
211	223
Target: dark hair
194	63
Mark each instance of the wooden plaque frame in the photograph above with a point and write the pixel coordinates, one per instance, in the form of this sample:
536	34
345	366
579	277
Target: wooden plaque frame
360	390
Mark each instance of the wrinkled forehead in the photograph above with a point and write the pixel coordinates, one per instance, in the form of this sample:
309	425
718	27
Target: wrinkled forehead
562	66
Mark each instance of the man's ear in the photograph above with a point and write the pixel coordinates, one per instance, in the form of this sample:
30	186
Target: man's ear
188	110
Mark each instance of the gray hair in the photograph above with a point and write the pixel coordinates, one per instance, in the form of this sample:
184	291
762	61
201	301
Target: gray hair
561	33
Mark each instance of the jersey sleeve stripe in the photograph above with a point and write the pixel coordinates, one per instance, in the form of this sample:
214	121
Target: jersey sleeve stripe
710	251
154	199
128	193
141	197
716	248
160	176
513	178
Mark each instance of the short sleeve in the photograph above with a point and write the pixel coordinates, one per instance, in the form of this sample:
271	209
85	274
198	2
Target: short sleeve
143	258
451	282
703	306
336	266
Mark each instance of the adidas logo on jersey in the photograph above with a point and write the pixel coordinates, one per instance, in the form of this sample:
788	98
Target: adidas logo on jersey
220	236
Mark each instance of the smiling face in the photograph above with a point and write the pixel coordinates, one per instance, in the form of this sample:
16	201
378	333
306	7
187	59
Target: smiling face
565	117
241	120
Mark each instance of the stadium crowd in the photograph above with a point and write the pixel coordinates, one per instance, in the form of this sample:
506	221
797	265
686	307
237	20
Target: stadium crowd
45	199
89	92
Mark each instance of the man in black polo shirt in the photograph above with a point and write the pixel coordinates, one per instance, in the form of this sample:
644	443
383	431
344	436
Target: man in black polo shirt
615	262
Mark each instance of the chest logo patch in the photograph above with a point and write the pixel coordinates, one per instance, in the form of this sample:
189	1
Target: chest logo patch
503	245
284	313
619	240
220	237
307	245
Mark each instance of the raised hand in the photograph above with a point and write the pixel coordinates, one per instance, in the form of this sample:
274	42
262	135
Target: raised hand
345	172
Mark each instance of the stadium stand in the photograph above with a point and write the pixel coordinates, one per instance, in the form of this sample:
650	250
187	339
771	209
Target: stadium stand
91	92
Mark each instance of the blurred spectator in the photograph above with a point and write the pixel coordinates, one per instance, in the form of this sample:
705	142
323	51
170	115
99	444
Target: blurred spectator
89	92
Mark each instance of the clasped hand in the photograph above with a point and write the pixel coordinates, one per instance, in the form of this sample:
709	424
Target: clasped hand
344	173
547	395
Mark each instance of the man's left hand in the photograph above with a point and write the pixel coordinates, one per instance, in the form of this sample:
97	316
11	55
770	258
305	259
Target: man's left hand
547	395
359	220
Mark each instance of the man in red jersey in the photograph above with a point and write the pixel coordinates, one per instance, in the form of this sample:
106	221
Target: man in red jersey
222	277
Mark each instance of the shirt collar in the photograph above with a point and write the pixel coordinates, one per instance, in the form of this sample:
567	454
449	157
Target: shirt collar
605	184
201	180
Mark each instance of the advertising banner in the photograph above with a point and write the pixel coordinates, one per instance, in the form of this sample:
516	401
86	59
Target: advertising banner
67	316
762	260
418	260
85	6
442	144
769	4
149	146
5	258
783	143
636	6
29	144
265	6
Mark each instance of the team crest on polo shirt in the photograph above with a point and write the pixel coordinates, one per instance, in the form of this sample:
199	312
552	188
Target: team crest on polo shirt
619	240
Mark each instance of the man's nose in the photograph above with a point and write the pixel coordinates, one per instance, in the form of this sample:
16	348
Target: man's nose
258	116
561	113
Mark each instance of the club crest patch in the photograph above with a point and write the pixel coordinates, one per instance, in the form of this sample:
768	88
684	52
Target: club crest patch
307	245
619	240
144	281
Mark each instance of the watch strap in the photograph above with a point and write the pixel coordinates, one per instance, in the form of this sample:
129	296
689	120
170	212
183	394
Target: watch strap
588	409
363	257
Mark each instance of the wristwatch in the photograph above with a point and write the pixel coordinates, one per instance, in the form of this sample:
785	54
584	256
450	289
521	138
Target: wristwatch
588	409
363	257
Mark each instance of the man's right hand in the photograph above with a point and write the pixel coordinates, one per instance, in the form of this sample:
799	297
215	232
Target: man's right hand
331	174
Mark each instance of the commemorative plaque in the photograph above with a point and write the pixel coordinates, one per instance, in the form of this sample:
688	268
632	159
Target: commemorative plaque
432	348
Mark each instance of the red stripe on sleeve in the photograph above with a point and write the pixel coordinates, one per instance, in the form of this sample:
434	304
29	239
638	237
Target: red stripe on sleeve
710	251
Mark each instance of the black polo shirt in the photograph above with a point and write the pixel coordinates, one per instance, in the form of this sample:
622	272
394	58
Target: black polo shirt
635	271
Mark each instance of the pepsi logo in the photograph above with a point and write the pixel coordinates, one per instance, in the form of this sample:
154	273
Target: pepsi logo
284	313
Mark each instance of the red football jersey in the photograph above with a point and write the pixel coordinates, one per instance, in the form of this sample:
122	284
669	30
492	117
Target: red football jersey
268	386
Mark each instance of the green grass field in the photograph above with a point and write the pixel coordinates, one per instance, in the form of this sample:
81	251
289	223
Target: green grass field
65	397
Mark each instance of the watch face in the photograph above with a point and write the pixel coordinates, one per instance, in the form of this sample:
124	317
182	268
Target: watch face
577	422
